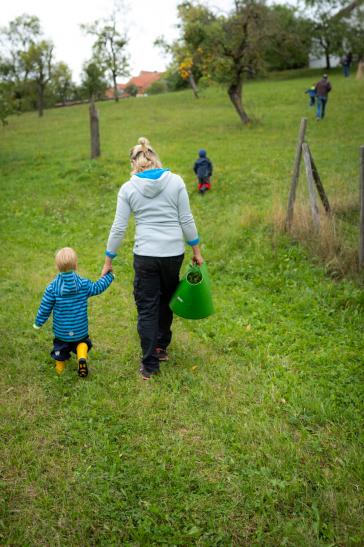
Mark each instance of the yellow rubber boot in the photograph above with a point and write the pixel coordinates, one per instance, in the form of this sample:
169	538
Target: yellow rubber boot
60	366
82	350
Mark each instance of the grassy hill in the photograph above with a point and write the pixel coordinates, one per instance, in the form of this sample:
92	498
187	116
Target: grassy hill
252	434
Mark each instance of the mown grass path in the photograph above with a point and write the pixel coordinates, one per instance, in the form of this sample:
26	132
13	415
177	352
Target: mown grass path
252	434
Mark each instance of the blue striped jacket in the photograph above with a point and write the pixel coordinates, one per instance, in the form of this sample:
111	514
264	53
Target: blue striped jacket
67	296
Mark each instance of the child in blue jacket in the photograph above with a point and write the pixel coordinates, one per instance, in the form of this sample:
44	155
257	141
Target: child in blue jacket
67	296
203	170
312	94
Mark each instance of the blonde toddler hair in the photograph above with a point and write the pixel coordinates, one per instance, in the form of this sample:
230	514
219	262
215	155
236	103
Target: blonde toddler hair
66	259
143	157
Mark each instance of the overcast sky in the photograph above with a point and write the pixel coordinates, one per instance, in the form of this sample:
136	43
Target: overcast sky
147	19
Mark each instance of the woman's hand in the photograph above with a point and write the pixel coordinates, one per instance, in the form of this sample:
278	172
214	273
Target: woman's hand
197	256
107	267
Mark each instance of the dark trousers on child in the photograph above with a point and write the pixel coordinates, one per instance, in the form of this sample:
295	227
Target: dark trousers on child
155	281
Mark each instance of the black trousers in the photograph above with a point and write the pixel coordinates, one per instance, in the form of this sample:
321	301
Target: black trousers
156	279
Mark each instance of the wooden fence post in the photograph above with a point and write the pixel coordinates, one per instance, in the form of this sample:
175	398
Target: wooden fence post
311	185
295	174
361	182
319	185
94	129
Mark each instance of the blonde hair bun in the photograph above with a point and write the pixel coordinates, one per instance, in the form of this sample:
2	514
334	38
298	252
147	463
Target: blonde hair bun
143	157
144	143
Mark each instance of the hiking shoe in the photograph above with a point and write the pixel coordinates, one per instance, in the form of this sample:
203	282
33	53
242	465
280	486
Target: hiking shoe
146	375
82	368
162	354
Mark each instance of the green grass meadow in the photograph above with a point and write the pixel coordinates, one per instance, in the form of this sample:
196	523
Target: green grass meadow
253	432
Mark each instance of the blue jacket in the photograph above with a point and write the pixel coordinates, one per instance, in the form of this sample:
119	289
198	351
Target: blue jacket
67	296
311	91
203	168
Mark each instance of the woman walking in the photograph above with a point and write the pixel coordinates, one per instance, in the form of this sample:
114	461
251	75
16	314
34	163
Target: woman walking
159	201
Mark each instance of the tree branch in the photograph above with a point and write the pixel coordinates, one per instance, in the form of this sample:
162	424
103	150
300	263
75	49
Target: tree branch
347	10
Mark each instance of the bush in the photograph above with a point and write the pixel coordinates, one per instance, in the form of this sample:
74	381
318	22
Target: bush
174	80
157	87
131	90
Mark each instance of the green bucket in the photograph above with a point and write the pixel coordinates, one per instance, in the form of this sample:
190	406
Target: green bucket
193	299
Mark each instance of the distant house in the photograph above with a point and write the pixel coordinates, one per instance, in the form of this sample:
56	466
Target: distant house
142	82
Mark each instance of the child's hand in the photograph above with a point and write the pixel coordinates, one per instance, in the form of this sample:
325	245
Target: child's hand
36	327
105	270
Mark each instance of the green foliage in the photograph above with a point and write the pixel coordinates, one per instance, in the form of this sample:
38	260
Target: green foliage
332	29
5	105
161	86
131	90
231	48
93	81
62	85
354	38
16	39
39	60
225	48
27	61
183	49
109	46
252	434
291	39
173	78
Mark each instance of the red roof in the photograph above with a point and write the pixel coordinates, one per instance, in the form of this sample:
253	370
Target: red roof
145	79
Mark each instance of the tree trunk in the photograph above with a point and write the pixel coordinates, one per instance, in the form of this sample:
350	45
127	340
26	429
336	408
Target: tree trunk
193	85
235	92
360	71
327	57
40	100
116	94
94	128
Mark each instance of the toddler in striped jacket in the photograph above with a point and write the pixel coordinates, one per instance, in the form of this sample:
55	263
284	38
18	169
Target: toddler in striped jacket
67	296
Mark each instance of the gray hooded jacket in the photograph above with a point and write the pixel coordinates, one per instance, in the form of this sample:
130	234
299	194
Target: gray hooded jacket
159	201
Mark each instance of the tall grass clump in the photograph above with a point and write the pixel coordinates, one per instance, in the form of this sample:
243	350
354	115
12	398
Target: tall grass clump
328	244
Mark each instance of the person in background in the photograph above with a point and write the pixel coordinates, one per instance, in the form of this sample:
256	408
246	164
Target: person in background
67	296
159	201
203	169
312	94
323	88
346	63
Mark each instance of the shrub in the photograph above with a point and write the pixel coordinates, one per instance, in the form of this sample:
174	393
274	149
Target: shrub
157	87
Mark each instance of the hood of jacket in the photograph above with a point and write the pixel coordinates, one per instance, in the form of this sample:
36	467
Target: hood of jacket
202	161
151	183
67	283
